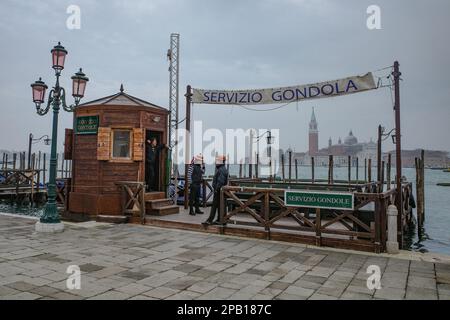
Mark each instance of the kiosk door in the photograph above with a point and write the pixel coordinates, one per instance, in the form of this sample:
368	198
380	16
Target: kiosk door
154	161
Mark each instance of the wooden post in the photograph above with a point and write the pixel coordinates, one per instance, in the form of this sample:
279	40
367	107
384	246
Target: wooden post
357	170
14	160
240	170
382	177
388	173
44	168
32	178
296	170
267	213
330	169
349	170
365	170
379	158
250	163
398	151
222	210
420	192
290	165
282	167
318	228
6	162
187	144
257	166
312	169
422	180
369	170
141	202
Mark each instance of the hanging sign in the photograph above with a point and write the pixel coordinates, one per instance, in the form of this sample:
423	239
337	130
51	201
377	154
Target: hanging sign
287	94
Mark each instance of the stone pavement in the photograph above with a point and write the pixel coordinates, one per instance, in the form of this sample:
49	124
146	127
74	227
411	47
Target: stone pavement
141	262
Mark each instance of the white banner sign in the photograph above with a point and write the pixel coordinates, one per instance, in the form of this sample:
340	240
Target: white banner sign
287	94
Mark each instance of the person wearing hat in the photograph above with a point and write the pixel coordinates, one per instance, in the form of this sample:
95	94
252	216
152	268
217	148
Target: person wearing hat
196	179
220	179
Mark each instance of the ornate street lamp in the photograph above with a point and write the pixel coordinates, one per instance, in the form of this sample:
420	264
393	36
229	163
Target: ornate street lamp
50	222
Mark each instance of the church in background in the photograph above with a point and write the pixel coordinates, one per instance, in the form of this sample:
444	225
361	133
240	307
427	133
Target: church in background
340	150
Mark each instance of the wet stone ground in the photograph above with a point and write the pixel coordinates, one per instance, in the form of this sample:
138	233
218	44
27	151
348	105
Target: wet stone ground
137	262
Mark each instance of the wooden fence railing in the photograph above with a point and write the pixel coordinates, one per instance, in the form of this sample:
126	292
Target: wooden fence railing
263	208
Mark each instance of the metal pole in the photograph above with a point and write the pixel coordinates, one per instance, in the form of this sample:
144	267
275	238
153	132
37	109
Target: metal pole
51	213
187	144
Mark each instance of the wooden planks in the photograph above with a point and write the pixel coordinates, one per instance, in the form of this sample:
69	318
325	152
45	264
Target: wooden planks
138	144
103	143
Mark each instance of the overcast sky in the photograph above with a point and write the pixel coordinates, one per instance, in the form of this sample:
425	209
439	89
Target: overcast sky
234	45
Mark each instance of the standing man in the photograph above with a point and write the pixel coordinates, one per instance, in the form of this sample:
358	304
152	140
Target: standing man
220	179
153	151
196	179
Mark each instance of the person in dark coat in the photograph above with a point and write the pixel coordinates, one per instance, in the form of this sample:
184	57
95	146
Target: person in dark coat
153	151
196	180
220	179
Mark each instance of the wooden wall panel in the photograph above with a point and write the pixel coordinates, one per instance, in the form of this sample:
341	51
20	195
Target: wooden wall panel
138	144
103	143
128	118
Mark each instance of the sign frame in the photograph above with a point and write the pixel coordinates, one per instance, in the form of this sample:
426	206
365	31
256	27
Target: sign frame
320	192
78	132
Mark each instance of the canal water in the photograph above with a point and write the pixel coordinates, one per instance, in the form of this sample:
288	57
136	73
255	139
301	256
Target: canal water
436	236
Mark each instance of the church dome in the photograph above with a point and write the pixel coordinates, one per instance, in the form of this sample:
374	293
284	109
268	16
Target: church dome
350	139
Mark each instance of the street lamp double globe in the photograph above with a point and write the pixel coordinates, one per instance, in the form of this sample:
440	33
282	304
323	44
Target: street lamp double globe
49	221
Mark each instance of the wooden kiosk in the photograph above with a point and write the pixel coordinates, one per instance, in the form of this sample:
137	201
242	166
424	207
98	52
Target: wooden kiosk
108	148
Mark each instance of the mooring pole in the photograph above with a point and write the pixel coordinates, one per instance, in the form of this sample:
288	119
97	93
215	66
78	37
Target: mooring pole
290	165
388	173
256	166
398	149
365	170
251	159
312	169
379	157
30	141
187	144
357	170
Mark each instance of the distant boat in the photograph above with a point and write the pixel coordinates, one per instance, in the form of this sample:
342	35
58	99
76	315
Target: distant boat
446	170
443	184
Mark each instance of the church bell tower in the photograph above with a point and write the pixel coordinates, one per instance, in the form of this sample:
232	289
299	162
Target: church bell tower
313	135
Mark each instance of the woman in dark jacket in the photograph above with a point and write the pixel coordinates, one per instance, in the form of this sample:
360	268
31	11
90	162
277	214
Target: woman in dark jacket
220	179
196	180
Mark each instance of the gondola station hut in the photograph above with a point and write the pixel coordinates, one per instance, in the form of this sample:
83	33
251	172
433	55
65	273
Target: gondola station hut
107	147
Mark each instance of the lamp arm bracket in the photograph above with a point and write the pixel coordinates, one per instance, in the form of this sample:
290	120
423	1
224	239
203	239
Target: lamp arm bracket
43	112
67	108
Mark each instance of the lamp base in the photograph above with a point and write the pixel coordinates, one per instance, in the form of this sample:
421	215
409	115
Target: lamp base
49	227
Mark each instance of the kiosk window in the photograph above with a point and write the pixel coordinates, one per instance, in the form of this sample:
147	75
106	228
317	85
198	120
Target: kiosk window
121	147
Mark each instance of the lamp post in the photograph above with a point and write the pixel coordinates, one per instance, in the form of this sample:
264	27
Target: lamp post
269	140
49	221
31	140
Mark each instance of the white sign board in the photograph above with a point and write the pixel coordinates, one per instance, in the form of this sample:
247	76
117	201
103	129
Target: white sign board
287	94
